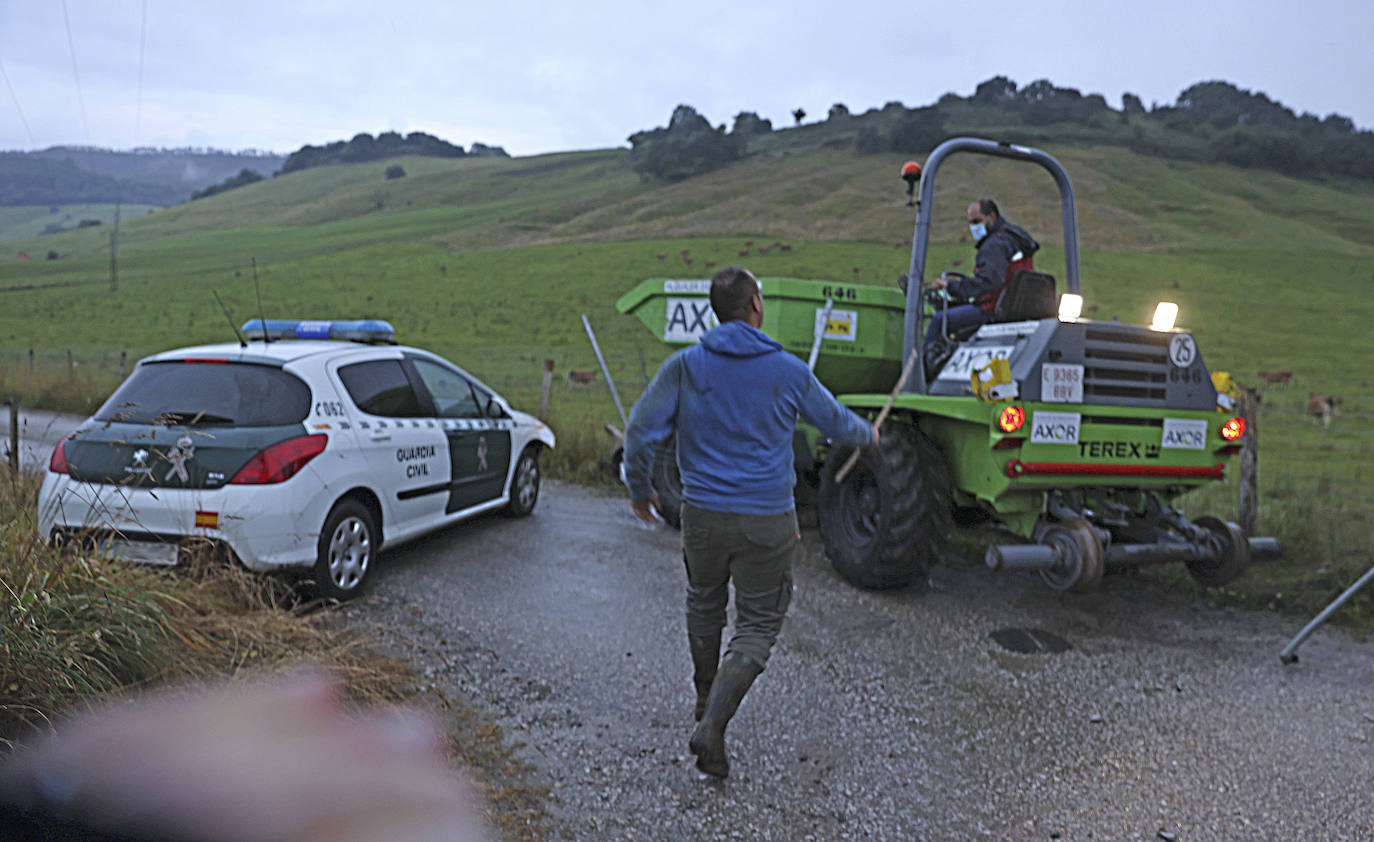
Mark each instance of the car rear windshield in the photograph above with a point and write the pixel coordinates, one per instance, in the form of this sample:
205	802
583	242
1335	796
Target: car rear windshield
203	394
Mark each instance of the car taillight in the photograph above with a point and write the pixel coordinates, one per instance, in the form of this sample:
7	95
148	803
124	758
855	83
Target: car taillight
281	461
1233	429
58	463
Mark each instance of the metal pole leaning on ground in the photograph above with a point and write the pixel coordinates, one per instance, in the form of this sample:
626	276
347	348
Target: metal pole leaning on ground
1289	654
882	414
605	372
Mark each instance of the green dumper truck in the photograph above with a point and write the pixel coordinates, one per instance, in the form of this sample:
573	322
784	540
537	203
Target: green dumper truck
1077	435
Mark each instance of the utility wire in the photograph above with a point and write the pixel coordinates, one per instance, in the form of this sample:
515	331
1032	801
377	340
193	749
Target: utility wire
33	143
138	106
71	45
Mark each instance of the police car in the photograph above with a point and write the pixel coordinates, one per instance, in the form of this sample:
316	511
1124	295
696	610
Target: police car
305	445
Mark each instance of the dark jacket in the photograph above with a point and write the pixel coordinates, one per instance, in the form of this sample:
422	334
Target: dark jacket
992	268
734	401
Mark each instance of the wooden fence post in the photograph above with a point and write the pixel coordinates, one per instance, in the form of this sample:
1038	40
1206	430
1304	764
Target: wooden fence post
71	367
30	359
544	391
123	363
1249	463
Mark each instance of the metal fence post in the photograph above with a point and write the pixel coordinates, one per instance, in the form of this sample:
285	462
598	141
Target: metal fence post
544	391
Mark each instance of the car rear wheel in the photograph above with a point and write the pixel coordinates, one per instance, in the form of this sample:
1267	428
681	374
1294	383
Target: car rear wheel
348	547
524	486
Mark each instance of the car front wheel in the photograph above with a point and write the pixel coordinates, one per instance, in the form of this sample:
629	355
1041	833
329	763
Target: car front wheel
524	486
348	547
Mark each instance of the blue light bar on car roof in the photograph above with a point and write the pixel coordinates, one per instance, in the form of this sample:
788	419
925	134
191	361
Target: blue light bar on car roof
370	330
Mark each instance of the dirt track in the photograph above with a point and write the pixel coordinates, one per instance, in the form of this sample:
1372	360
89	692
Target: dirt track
885	716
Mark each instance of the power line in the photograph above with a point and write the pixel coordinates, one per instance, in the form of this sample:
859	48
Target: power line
71	45
15	97
138	106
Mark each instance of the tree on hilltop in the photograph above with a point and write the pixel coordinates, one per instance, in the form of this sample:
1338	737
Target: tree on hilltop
687	147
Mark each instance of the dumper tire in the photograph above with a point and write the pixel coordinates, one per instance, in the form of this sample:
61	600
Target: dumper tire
1233	553
667	481
889	521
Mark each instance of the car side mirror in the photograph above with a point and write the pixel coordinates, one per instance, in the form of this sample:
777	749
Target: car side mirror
494	408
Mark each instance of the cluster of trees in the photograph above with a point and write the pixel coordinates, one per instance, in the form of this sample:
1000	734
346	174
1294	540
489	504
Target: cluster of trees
689	145
364	147
245	177
1210	121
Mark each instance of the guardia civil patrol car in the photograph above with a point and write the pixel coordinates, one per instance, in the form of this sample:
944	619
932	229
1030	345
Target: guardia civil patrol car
306	445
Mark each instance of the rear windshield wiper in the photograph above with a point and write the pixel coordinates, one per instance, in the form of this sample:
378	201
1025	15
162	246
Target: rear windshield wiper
188	419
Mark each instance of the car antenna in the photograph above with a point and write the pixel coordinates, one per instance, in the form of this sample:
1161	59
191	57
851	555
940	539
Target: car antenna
243	343
257	289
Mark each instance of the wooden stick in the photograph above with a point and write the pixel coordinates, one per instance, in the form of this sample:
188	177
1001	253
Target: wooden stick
882	414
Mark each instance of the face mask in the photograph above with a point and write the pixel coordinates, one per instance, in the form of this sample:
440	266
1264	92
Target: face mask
979	231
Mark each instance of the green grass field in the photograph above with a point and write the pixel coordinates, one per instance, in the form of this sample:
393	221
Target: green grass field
491	262
27	221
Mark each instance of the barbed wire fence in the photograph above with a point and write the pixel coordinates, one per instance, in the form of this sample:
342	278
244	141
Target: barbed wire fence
1316	440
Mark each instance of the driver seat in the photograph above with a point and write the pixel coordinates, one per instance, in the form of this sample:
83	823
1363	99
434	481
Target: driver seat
1027	295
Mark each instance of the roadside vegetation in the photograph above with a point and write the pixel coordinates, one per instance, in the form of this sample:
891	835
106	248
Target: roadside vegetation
80	629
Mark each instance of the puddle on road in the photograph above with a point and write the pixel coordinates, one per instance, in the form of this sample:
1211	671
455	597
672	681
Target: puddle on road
1030	641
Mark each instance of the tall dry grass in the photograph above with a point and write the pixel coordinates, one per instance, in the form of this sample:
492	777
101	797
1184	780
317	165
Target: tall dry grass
80	628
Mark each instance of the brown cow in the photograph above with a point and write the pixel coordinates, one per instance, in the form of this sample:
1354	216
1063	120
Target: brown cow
580	377
1322	408
1280	376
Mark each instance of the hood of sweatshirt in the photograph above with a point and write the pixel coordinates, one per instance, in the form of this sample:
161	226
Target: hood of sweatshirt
739	339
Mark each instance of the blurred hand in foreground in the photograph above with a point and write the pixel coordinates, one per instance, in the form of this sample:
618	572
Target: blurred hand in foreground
278	758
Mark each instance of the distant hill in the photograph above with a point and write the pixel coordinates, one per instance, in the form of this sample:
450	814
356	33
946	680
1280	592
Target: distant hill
63	175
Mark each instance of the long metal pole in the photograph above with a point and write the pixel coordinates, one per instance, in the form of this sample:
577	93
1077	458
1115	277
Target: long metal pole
820	334
1289	655
606	372
882	415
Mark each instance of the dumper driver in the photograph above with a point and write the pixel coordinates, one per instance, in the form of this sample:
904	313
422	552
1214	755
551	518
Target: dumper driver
733	400
1003	249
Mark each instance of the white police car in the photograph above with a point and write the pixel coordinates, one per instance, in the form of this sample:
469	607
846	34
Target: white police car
312	446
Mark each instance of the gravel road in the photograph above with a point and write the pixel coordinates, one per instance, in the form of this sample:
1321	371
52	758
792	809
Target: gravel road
885	716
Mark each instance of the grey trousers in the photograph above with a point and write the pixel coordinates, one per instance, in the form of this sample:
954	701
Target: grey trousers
753	551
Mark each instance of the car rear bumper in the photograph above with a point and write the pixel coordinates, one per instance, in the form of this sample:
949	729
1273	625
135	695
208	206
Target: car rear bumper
267	527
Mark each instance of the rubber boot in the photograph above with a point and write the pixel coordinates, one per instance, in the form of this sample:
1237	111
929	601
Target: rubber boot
705	663
736	675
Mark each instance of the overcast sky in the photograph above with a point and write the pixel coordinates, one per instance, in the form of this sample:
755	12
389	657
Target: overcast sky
540	77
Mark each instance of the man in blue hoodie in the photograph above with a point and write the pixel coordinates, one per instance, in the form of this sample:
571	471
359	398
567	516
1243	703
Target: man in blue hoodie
733	400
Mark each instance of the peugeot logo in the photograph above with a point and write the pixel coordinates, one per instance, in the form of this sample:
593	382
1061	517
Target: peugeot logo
140	458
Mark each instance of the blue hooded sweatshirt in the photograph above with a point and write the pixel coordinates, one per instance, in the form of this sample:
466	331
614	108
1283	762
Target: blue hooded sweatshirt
734	400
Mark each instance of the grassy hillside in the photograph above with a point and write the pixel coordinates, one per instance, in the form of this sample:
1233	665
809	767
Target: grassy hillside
25	221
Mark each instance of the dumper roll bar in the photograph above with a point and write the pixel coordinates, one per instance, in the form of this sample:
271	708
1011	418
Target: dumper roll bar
920	239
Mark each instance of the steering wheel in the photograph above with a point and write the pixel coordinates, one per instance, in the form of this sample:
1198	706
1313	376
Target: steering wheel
938	298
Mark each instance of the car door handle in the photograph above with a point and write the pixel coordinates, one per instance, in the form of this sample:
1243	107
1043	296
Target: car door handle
381	438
